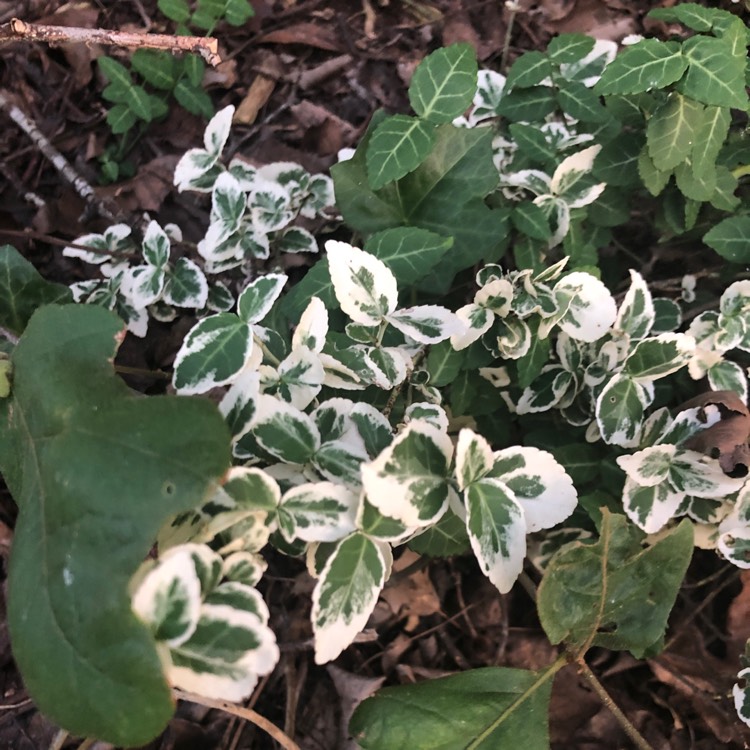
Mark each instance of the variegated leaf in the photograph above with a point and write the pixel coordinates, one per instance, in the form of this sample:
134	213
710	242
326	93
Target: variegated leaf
243	567
186	285
656	357
340	460
156	245
270	206
346	592
497	531
619	410
228	204
257	298
213	353
364	286
285	432
650	507
636	314
474	458
318	512
477	321
312	328
649	466
700	476
432	413
238	404
409	479
300	377
143	285
427	324
591	310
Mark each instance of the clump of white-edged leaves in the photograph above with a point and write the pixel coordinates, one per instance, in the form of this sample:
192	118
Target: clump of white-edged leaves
475	374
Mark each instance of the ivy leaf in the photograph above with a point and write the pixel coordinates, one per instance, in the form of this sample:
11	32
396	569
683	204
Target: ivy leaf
149	459
444	83
346	592
23	290
671	131
213	353
480	709
408	480
731	239
647	65
614	593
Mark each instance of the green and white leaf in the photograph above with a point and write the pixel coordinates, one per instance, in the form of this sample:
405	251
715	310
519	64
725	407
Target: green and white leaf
252	489
588	308
143	285
156	245
346	593
300	377
541	486
728	376
238	404
228	204
295	240
432	413
243	567
318	512
285	432
409	479
474	458
649	466
497	531
636	314
312	328
270	206
213	353
364	286
547	390
257	298
528	70
427	324
619	410
186	285
656	357
701	476
477	321
650	507
569	174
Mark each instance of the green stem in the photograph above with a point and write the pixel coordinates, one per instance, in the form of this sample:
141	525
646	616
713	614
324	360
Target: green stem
741	171
543	678
157	374
275	361
637	738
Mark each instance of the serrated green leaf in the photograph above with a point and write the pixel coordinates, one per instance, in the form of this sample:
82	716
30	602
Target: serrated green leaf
617	162
194	99
533	144
715	74
569	48
580	102
531	220
647	65
528	105
398	146
731	239
443	363
530	365
446	538
65	570
671	131
697	186
614	593
694	16
482	709
709	138
654	180
530	69
444	83
23	290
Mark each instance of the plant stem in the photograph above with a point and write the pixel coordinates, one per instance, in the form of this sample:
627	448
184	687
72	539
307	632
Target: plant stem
58	740
157	374
637	738
244	713
741	171
512	8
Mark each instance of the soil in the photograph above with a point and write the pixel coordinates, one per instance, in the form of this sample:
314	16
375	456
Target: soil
308	75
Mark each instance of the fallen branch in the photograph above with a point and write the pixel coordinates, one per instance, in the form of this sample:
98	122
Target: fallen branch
18	30
244	713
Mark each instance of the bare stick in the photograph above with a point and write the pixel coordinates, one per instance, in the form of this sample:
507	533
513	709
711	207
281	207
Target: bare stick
60	163
244	713
16	29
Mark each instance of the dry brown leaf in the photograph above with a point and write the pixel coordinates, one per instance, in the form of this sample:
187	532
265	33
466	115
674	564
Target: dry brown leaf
352	690
414	596
727	440
308	34
738	620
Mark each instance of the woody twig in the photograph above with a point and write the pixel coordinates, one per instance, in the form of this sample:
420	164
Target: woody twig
18	30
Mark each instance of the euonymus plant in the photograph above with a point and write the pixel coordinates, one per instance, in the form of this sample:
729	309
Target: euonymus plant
485	369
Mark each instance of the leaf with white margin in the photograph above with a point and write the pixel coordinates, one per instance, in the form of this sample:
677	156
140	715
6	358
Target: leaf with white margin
427	324
728	376
156	245
168	597
243	172
226	654
432	413
238	404
619	410
346	593
659	356
636	314
301	377
546	391
477	321
558	210
390	366
533	180
338	375
373	427
220	299
701	476
474	458
734	545
186	285
318	512
285	432
252	489
270	206
143	285
364	286
409	479
650	466
540	485
383	528
571	169
243	567
742	696
497	531
332	418
116	239
650	508
198	168
213	353
295	240
257	298
312	328
228	203
240	596
512	338
591	311
340	460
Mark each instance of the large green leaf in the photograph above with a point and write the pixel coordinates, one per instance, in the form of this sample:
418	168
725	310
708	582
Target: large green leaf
671	131
615	593
443	85
23	290
482	709
95	471
397	147
731	239
443	195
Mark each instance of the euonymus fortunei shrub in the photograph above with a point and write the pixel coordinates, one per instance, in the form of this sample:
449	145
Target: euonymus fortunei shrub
486	370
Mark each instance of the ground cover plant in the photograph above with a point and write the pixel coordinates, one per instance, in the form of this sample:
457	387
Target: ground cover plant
475	365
